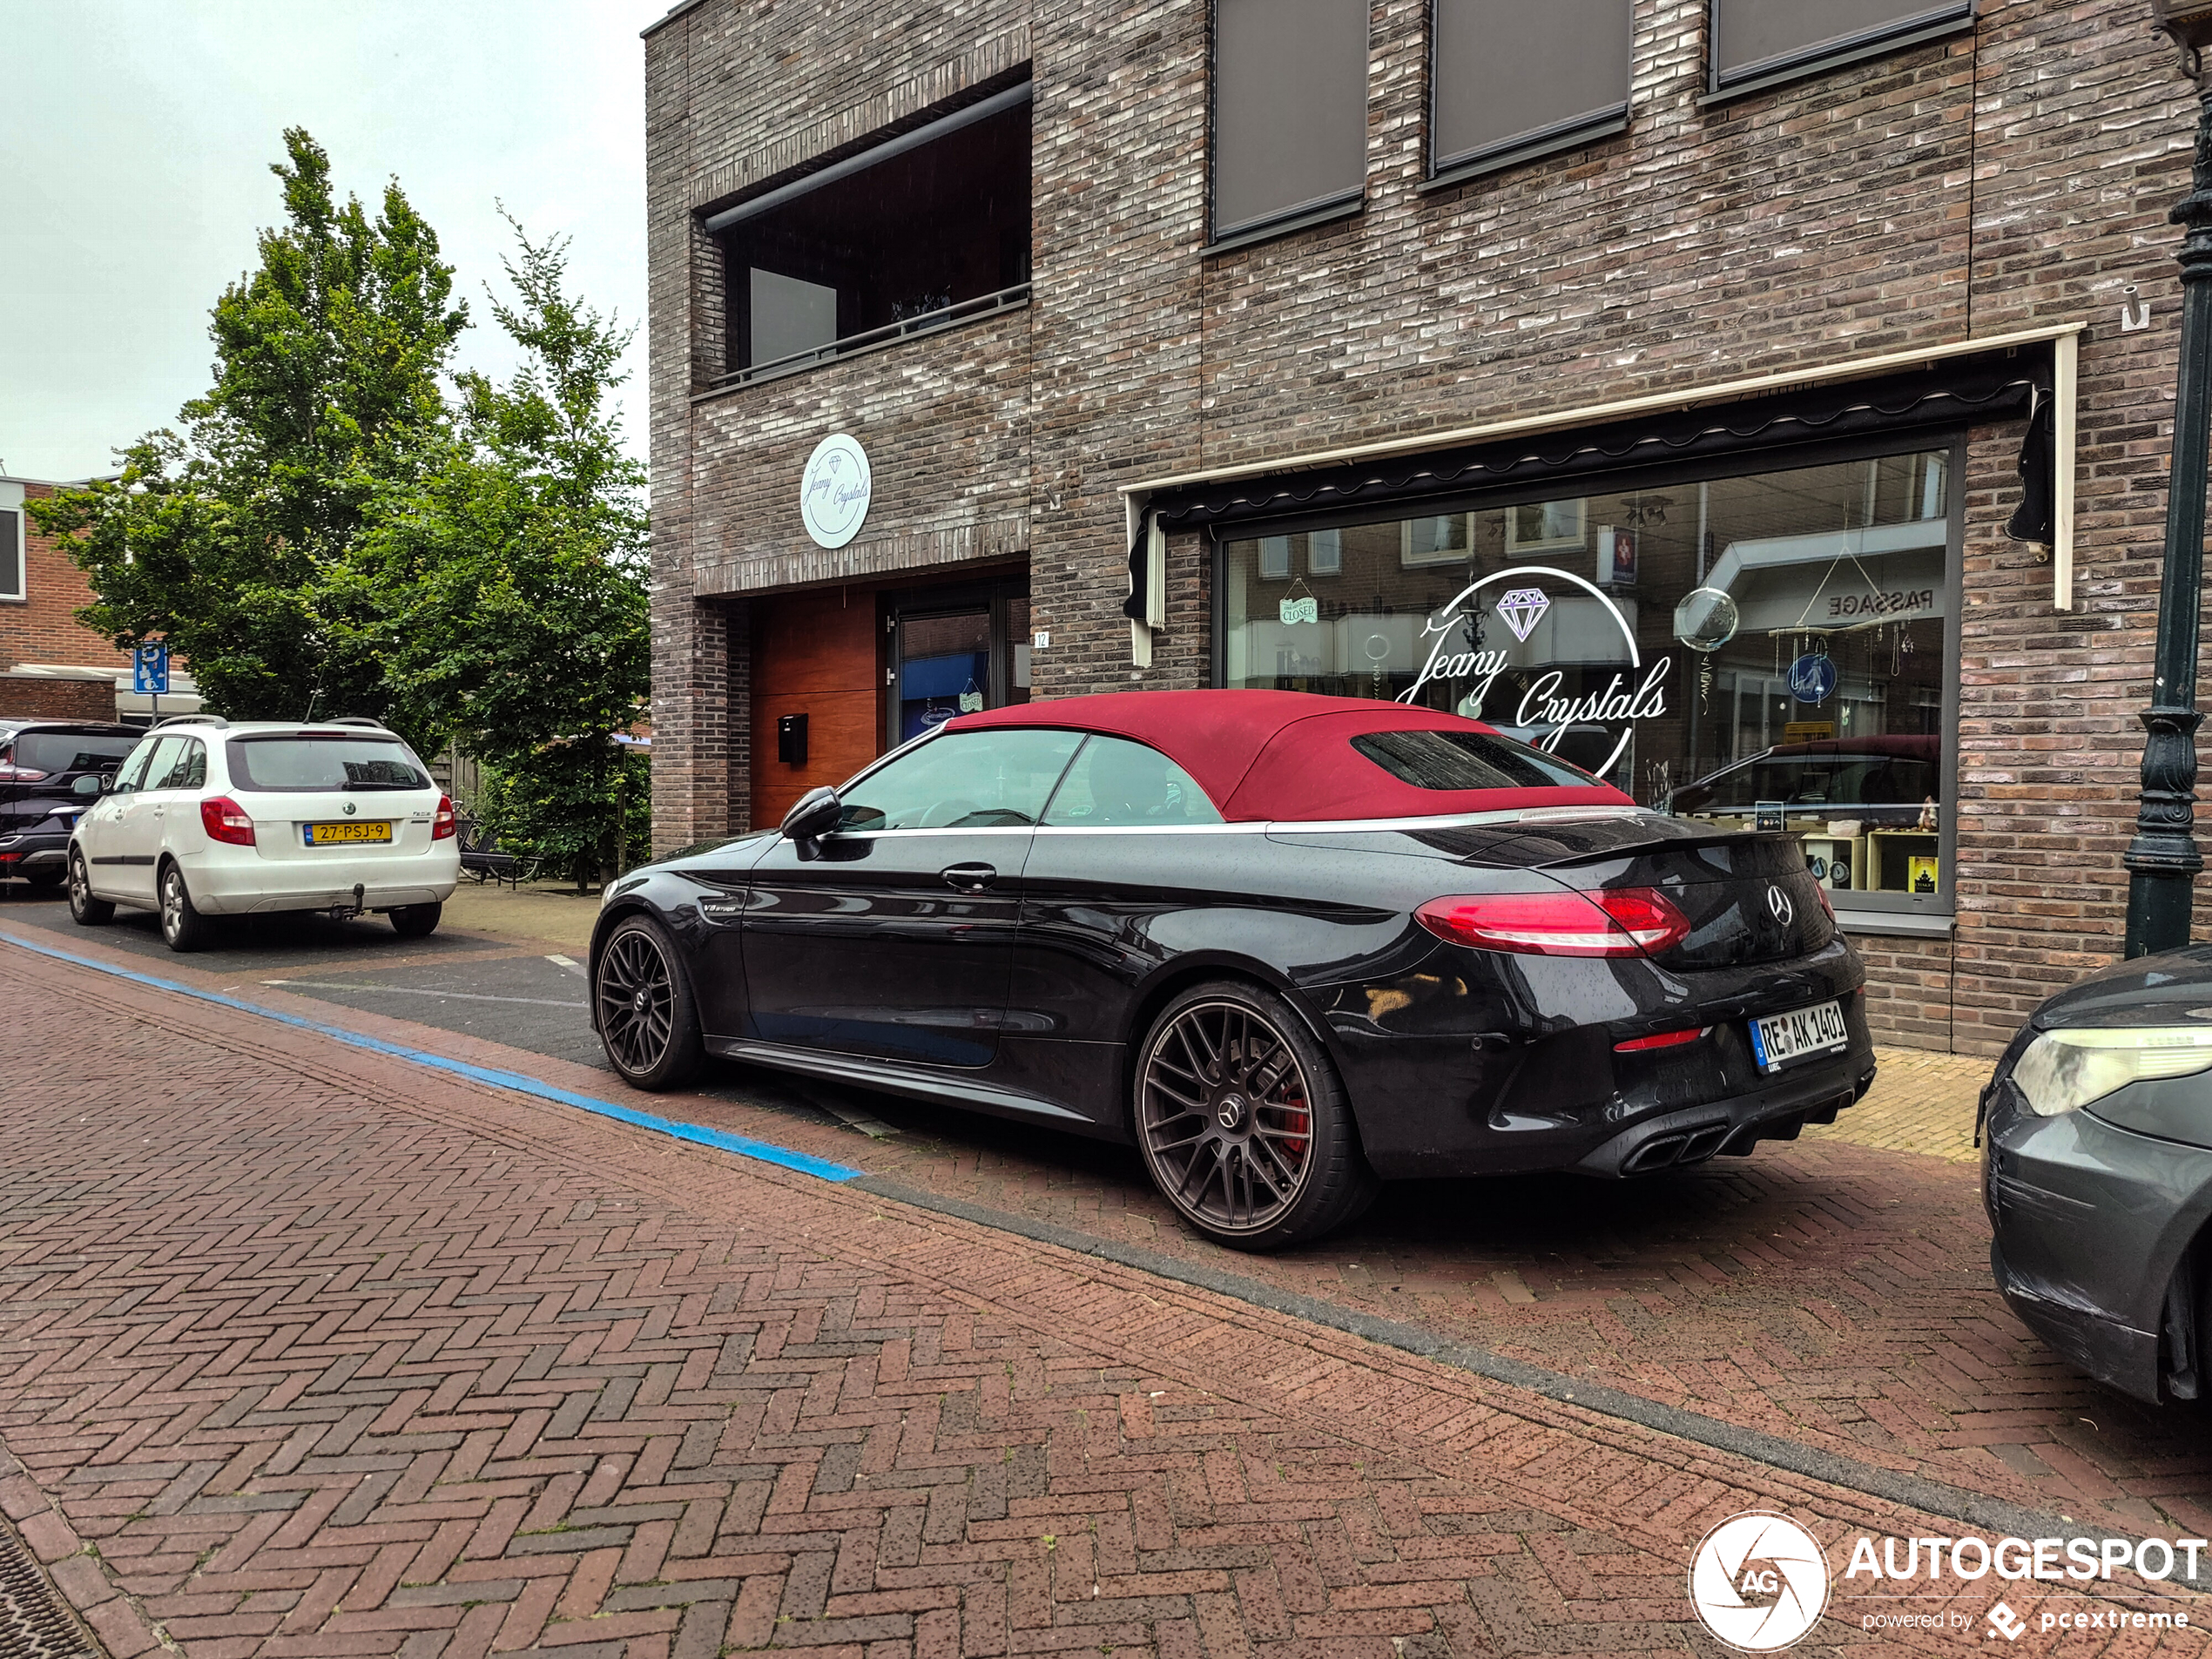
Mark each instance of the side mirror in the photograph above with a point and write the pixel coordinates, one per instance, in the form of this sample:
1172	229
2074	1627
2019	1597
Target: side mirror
814	816
90	784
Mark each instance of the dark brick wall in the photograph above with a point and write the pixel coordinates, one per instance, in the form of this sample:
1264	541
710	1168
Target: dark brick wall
2012	176
56	699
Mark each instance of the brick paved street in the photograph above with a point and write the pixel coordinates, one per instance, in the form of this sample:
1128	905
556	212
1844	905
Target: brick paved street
324	1353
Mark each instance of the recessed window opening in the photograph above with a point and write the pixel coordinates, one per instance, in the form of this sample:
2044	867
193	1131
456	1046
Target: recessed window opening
1755	41
11	583
1507	77
927	235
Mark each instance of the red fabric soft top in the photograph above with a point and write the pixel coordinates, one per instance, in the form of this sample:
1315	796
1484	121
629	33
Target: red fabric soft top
1282	756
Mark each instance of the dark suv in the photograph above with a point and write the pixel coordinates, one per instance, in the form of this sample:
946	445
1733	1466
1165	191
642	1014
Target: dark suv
50	771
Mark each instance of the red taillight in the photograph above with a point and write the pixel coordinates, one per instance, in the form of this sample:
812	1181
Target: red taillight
1616	922
1662	1040
225	820
442	825
20	775
1824	903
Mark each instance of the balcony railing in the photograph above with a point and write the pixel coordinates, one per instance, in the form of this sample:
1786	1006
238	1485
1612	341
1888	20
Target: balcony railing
929	323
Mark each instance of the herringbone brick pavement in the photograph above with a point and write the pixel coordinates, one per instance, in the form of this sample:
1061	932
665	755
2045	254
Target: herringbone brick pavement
304	1352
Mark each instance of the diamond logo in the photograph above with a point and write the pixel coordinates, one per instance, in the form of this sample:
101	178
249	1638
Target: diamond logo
1522	608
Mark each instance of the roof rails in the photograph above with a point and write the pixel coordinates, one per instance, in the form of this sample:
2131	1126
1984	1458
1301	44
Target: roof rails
359	719
188	719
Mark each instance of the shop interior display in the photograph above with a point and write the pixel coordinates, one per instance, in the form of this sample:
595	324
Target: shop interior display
1769	647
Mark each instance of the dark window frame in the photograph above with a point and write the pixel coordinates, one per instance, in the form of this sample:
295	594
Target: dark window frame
1927	22
1016	88
1320	210
1574	132
18	555
1933	915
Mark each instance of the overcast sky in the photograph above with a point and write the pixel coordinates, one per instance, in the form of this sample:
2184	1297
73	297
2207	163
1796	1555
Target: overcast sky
137	137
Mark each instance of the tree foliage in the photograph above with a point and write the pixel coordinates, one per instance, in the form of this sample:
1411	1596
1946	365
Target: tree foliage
330	533
224	539
510	580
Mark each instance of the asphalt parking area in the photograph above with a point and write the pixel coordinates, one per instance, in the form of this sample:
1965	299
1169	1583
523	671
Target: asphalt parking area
1833	1296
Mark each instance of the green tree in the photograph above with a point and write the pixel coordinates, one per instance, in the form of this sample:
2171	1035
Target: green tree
508	582
232	540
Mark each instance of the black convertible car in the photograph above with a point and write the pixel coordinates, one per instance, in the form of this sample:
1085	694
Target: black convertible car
1287	945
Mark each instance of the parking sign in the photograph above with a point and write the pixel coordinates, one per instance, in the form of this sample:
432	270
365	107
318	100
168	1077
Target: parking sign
150	669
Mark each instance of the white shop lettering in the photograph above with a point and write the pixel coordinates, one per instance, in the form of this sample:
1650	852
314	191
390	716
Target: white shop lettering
1544	706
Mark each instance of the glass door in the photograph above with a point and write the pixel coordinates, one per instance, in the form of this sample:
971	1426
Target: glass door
959	661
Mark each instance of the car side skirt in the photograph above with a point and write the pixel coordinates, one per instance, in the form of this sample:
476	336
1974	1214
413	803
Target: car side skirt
968	1089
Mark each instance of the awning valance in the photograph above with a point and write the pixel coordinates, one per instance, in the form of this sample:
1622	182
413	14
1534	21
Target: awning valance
1964	391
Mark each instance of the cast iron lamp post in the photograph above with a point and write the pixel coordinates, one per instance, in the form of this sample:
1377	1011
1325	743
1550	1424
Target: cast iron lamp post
2164	860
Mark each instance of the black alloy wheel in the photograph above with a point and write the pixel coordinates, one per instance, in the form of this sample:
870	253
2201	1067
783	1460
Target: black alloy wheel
182	926
1243	1122
648	1022
84	908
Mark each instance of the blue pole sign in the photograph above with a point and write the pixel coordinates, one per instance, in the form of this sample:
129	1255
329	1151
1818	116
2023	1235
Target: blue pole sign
150	669
1812	679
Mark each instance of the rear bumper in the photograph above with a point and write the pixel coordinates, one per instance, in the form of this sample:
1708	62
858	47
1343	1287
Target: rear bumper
1530	1080
22	853
224	884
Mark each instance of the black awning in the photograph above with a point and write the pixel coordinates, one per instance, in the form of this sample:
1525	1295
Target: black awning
1960	392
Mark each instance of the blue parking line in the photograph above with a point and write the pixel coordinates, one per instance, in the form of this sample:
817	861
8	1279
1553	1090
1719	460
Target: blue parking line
698	1134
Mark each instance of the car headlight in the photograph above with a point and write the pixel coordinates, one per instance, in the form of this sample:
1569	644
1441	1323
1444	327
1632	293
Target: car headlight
2063	1071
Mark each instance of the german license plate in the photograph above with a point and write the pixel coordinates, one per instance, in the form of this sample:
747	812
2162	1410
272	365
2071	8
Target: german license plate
335	834
1780	1038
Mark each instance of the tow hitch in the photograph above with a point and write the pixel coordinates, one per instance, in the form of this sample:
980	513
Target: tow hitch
348	912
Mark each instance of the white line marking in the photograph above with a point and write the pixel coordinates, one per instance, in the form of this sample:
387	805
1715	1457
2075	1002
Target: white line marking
417	990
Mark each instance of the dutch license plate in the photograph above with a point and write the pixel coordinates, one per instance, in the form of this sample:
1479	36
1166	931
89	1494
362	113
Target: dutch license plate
1780	1038
336	834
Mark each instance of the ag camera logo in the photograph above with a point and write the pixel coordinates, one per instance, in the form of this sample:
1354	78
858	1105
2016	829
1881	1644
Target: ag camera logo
1759	1581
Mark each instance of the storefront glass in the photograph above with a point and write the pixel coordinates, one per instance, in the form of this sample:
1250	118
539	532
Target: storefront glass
1769	647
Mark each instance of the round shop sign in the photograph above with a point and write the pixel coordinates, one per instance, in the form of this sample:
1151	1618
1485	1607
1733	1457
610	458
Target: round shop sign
833	491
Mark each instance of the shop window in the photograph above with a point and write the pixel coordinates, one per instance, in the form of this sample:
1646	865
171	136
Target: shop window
1758	42
12	561
1508	79
923	235
1764	648
1289	112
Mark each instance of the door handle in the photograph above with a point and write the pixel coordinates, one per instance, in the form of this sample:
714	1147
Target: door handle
969	877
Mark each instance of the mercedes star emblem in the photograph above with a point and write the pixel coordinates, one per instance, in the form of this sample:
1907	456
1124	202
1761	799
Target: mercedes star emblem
1778	902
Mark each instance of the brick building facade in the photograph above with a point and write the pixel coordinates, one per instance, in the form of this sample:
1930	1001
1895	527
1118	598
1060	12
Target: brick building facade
1829	249
51	665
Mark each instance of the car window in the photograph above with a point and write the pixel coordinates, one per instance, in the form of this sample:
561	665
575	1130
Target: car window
167	752
1115	782
134	770
313	762
56	751
1467	760
962	781
184	773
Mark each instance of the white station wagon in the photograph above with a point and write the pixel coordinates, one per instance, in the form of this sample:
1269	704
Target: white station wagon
208	818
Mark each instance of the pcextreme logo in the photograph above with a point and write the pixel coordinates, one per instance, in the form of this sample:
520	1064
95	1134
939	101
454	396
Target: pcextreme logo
1759	1581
